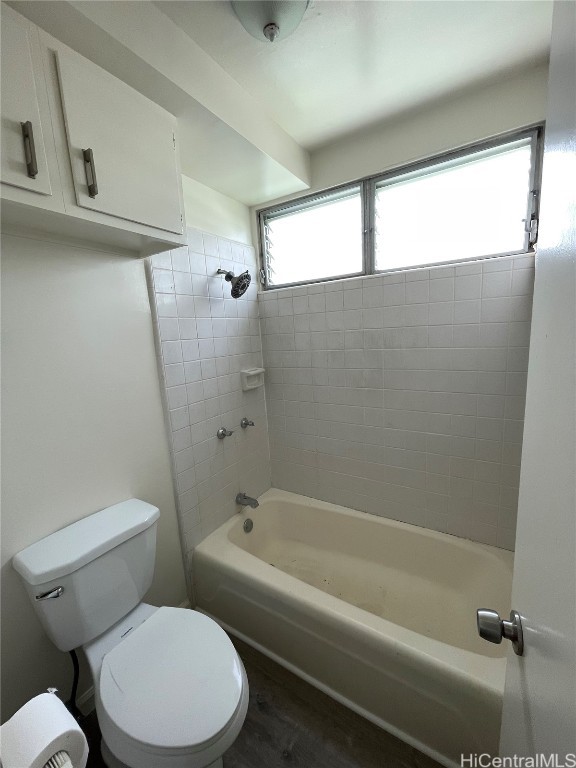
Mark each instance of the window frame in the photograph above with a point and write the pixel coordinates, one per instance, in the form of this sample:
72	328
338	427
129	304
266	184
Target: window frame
368	186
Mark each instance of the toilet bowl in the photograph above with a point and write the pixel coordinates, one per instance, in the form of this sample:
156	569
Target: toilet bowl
170	689
171	693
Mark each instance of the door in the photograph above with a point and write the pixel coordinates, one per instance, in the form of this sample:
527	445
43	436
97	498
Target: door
23	155
539	714
130	170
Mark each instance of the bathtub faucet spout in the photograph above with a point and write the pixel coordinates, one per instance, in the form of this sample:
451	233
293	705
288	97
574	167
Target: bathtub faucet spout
246	501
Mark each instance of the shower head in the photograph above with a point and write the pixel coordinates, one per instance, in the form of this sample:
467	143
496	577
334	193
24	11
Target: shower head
239	284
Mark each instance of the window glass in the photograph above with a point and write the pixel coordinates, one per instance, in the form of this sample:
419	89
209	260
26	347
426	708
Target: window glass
319	241
455	211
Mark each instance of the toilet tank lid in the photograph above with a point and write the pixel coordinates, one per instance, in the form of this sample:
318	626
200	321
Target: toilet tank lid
68	549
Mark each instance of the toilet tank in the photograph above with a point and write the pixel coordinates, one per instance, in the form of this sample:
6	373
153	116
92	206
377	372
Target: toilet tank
84	578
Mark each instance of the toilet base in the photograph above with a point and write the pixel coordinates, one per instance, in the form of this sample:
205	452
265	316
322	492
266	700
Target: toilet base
113	762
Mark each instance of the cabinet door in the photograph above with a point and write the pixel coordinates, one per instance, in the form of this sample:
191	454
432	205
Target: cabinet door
23	160
131	171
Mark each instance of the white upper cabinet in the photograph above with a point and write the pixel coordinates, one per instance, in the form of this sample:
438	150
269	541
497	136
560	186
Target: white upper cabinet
23	158
85	157
122	146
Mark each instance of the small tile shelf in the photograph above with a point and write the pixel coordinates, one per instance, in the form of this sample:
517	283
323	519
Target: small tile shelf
252	378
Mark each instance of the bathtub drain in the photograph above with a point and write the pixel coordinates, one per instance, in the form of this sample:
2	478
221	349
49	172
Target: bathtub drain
248	525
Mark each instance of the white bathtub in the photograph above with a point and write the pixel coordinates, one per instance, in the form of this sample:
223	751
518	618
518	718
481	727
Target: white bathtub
380	615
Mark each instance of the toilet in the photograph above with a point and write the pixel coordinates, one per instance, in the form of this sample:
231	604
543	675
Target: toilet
170	689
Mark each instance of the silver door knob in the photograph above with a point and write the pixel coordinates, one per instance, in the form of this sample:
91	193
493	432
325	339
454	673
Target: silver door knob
492	628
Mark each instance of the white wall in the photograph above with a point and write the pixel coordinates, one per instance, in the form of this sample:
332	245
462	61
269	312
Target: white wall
205	339
82	428
402	395
209	210
465	118
451	123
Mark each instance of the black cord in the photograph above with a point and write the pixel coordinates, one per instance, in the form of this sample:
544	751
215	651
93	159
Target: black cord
71	704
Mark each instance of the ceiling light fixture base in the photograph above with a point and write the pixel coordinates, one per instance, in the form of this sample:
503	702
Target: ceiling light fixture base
269	19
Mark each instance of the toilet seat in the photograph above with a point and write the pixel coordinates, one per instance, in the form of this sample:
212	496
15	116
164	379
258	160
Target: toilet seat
171	688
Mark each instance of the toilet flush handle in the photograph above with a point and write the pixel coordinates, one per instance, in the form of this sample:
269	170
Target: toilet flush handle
53	593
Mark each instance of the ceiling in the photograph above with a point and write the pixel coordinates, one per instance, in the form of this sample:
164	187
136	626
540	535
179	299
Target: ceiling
352	63
251	115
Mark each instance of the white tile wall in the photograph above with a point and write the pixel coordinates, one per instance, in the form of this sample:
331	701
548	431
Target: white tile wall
205	338
403	395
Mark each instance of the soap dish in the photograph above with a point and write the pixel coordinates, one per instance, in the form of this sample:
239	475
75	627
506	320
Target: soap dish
252	378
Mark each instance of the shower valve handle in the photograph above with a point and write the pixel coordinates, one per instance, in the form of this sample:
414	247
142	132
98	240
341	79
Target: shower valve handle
223	432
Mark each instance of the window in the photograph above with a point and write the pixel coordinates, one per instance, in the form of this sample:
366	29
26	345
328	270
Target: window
471	204
316	239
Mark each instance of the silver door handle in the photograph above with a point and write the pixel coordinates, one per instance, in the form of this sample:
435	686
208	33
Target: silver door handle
29	149
492	628
90	170
53	593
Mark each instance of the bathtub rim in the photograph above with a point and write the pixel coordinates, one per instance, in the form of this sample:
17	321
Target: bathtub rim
468	667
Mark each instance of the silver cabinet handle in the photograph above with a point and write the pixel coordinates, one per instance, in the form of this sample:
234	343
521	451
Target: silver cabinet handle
492	628
29	149
51	595
90	169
